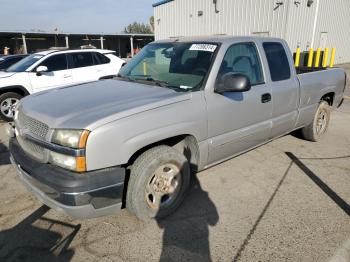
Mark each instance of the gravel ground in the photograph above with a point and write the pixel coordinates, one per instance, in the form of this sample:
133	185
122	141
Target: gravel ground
285	201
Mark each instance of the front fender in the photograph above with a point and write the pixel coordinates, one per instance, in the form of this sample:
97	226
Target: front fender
115	143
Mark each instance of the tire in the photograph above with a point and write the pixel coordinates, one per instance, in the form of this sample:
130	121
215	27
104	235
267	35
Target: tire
315	131
7	101
151	196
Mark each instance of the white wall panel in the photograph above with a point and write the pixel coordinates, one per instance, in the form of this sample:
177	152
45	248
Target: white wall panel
334	18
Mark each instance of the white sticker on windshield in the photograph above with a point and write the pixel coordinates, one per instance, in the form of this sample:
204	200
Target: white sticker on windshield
203	47
185	87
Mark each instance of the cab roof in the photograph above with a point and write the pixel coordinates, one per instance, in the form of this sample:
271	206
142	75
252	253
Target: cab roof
47	52
217	39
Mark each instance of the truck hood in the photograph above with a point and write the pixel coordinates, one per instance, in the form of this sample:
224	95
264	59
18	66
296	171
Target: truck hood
91	105
4	74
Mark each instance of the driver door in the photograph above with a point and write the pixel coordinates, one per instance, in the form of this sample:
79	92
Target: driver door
238	121
57	74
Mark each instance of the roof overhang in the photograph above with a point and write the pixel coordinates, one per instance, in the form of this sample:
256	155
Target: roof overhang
161	3
42	33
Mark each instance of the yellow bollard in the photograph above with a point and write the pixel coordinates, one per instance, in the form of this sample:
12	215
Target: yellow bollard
311	56
332	57
325	57
318	56
144	67
297	57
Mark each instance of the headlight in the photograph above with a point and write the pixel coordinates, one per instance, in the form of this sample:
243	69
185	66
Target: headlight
73	163
75	139
64	161
70	138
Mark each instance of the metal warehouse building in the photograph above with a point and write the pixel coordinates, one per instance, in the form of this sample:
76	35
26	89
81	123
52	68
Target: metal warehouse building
303	23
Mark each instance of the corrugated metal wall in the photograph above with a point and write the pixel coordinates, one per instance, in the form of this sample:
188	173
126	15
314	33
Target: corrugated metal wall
334	19
291	21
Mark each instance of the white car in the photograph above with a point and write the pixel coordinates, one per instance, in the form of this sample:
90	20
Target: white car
51	69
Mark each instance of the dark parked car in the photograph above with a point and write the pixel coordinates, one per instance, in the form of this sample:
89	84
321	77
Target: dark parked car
9	60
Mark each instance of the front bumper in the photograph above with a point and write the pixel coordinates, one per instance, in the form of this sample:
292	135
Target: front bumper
83	195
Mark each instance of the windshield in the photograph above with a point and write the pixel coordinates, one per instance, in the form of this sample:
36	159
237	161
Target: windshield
24	64
175	65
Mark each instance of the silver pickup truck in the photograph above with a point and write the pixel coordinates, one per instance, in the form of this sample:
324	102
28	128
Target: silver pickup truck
178	107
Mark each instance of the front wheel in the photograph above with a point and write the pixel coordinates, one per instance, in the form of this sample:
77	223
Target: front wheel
158	182
319	125
7	104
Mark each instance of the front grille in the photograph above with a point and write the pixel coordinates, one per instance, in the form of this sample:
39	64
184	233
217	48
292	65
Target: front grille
34	127
28	125
32	149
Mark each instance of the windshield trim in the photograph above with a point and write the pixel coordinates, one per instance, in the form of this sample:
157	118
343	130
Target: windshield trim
31	68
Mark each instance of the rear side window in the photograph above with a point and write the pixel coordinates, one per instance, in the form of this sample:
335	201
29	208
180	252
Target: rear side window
277	60
82	59
100	59
55	63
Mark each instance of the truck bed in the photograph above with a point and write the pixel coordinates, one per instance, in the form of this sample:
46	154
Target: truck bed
316	83
305	70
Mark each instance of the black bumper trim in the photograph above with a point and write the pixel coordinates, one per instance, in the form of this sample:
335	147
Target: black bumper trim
99	188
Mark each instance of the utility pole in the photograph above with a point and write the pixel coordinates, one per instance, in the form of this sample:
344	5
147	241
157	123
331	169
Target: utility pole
24	44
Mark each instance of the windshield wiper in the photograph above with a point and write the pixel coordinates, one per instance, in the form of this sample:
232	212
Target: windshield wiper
128	78
178	88
156	81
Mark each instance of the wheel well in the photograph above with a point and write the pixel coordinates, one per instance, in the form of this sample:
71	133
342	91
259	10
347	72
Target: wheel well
16	89
329	98
185	144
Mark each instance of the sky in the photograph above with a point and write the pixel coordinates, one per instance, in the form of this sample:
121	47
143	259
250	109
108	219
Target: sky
73	16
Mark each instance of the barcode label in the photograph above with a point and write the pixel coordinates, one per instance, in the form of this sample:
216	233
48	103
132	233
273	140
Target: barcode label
203	47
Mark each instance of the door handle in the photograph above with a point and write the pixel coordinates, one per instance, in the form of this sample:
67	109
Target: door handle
265	98
66	76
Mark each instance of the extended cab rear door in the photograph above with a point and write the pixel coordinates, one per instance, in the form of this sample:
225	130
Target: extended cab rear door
284	85
238	121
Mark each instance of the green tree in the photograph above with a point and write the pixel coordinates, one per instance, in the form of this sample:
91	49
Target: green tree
138	28
151	23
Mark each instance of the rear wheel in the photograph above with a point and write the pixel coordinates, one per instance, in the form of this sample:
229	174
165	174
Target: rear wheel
319	125
7	104
158	183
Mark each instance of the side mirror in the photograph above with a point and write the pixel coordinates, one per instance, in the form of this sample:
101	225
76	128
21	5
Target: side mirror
233	83
41	69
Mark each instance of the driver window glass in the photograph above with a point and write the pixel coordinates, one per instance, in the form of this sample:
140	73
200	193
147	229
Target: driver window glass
55	63
243	59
